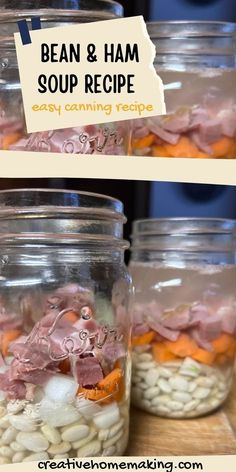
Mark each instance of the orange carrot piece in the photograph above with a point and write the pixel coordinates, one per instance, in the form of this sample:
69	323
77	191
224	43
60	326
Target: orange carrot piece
71	316
183	347
204	356
9	140
161	353
222	344
64	366
143	338
113	384
92	393
111	381
160	151
144	142
224	147
183	148
203	155
7	338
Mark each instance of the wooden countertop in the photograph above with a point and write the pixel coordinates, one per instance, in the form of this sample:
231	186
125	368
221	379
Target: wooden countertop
212	434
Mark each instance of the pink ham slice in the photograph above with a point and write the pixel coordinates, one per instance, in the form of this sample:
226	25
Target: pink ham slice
202	342
15	389
113	351
87	371
198	117
176	320
176	123
228	122
171	335
171	138
198	313
210	131
228	315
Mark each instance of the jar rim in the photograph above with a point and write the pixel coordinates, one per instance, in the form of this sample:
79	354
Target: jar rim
182	225
16	8
42	200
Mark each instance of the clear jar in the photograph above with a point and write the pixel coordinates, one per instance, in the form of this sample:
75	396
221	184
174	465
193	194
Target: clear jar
184	317
111	138
196	61
64	326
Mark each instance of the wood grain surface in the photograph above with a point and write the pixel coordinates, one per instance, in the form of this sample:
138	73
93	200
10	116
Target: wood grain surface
213	434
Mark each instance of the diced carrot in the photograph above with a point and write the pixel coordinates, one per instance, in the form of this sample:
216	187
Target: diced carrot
64	366
9	140
161	353
111	381
224	147
144	142
183	148
92	393
159	151
7	338
204	356
183	347
113	384
143	338
71	316
203	155
222	344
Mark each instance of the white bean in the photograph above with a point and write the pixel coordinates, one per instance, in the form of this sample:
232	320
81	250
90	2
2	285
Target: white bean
51	434
34	442
93	448
164	386
38	456
18	457
61	448
201	393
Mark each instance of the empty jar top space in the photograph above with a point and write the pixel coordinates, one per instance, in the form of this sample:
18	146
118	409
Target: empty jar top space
184	233
196	43
60	216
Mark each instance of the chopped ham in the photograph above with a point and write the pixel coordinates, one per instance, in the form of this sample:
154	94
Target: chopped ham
171	138
228	122
200	340
210	131
171	335
210	327
178	319
15	389
228	315
176	123
87	371
113	351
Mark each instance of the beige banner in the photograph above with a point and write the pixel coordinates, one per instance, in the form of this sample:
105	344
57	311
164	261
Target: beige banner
89	73
35	165
165	464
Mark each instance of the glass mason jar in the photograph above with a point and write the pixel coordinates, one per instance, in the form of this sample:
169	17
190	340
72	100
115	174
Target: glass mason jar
111	138
197	62
64	326
184	316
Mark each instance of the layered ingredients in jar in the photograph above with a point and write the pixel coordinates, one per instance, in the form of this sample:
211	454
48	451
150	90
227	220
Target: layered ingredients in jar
63	377
200	120
184	338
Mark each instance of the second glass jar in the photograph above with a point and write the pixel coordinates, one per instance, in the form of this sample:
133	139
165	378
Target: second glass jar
184	317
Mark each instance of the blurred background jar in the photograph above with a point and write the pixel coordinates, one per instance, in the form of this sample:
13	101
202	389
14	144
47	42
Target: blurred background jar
112	138
184	317
196	61
64	326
